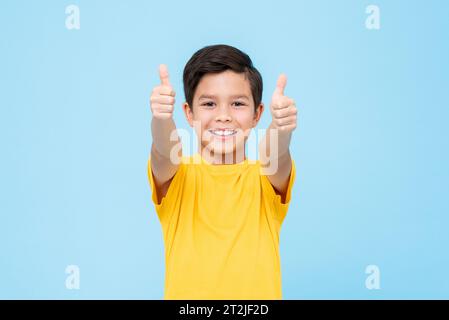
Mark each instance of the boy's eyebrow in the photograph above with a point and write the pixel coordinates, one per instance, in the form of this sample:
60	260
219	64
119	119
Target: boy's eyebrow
236	96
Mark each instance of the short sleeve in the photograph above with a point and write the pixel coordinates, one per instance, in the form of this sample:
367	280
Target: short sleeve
280	207
168	203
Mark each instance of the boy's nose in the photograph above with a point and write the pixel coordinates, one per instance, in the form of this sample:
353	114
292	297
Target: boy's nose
223	115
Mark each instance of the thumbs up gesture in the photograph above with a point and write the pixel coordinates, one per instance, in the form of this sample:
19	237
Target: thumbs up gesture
283	108
162	98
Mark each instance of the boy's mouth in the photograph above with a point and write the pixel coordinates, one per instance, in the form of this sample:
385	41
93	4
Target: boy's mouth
223	133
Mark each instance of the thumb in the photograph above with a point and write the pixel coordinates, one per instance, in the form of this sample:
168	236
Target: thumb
163	74
281	84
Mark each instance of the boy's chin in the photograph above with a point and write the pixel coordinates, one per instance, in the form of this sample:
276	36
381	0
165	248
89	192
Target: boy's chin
222	151
226	150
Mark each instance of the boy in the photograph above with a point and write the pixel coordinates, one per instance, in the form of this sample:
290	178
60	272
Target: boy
221	215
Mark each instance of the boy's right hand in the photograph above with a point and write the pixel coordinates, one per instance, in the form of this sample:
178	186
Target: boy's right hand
162	99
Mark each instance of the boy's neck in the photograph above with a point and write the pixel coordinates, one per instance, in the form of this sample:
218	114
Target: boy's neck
220	158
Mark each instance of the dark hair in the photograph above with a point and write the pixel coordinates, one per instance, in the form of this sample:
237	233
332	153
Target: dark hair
216	59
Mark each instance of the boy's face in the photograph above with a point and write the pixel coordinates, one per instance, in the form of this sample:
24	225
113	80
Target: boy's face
223	113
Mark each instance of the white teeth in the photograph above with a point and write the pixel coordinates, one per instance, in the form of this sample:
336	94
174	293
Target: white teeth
223	132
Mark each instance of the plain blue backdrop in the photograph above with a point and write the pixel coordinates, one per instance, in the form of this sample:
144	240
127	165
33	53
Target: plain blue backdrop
371	147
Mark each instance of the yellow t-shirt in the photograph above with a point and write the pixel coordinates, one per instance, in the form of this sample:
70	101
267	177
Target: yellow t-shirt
221	227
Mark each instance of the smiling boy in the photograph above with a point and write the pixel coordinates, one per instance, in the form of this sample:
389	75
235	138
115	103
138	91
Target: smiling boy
221	214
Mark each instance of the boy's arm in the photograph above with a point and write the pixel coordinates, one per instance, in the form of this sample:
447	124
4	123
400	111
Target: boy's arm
274	152
163	127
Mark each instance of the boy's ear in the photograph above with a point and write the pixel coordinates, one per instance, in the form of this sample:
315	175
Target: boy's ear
258	114
188	113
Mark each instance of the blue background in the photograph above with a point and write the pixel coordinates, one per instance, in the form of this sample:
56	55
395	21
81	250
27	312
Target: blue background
371	148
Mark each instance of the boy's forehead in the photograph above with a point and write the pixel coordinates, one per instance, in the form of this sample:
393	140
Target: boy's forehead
227	83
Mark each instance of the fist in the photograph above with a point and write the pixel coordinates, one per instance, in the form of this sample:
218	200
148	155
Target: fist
162	98
283	108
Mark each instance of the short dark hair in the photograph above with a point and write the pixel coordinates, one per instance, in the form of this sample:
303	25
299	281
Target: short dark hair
216	59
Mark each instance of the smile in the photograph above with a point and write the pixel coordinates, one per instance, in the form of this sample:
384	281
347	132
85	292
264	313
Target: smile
223	133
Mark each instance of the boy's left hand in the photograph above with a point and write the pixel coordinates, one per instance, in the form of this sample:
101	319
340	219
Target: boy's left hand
283	108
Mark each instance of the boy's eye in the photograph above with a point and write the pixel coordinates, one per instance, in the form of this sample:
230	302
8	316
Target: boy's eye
238	104
211	104
208	104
